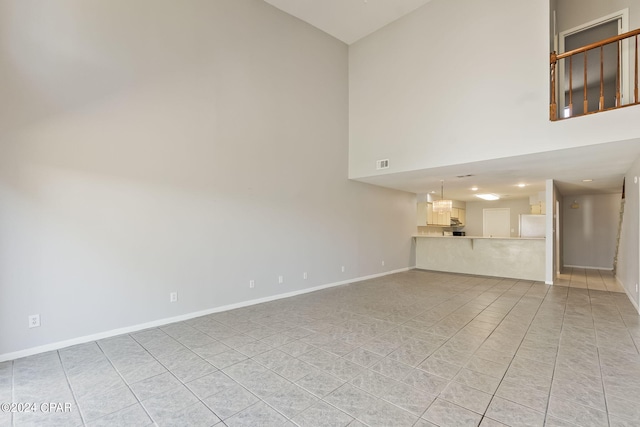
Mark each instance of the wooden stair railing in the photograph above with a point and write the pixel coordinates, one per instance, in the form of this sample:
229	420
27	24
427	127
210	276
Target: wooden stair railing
556	58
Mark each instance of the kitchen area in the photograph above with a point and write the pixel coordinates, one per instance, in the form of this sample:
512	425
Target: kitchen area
501	238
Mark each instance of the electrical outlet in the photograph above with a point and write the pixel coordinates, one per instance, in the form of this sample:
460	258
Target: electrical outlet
382	263
280	279
343	268
173	297
304	275
34	321
252	284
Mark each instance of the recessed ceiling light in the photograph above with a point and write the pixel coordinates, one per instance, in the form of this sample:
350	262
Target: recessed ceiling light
489	196
522	185
474	188
587	180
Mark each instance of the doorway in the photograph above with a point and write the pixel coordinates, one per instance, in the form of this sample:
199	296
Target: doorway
583	35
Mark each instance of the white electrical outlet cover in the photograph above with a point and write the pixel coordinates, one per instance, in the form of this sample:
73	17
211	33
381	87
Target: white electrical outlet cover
34	321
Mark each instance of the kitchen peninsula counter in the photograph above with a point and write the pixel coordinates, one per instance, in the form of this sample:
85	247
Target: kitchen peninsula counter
512	257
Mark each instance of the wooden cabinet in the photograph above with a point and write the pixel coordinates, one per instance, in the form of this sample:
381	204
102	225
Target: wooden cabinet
426	216
442	218
460	214
538	209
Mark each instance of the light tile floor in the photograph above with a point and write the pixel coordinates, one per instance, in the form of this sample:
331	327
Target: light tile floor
600	280
412	349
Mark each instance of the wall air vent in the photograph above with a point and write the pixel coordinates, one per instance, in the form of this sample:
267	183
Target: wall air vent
382	164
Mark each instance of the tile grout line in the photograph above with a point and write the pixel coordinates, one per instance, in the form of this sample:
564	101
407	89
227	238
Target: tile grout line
604	395
73	394
174	376
564	311
484	414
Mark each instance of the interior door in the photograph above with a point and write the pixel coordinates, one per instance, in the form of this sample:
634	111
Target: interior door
496	222
596	30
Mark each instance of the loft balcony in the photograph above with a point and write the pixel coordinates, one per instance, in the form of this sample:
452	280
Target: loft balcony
600	76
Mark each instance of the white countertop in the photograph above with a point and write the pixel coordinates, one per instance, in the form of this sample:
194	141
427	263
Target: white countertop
477	237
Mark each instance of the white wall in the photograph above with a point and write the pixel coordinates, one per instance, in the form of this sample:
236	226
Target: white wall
628	269
157	146
590	231
460	81
475	214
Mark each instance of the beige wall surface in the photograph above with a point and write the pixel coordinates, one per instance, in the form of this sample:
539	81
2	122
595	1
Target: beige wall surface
155	146
475	214
628	269
590	230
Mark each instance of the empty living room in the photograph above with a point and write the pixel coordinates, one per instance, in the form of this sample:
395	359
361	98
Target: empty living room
319	213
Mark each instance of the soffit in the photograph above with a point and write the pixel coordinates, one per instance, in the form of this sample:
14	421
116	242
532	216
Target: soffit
605	164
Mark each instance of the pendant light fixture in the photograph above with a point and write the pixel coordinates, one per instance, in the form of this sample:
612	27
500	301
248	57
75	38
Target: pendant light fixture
442	205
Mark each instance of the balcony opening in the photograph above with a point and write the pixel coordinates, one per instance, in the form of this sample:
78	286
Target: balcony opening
596	68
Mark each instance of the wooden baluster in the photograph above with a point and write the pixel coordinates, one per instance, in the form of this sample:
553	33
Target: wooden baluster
553	108
636	86
571	86
601	78
618	103
585	102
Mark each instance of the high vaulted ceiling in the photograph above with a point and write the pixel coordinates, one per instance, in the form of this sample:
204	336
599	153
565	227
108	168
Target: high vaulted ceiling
604	164
348	20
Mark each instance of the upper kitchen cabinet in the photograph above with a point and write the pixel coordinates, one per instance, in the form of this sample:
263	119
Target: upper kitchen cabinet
442	218
427	217
460	215
537	202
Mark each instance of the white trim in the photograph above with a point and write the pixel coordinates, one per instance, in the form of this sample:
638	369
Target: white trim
589	267
623	16
549	243
161	322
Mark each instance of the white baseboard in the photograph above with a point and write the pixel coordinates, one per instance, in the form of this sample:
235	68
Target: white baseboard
161	322
589	267
626	291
